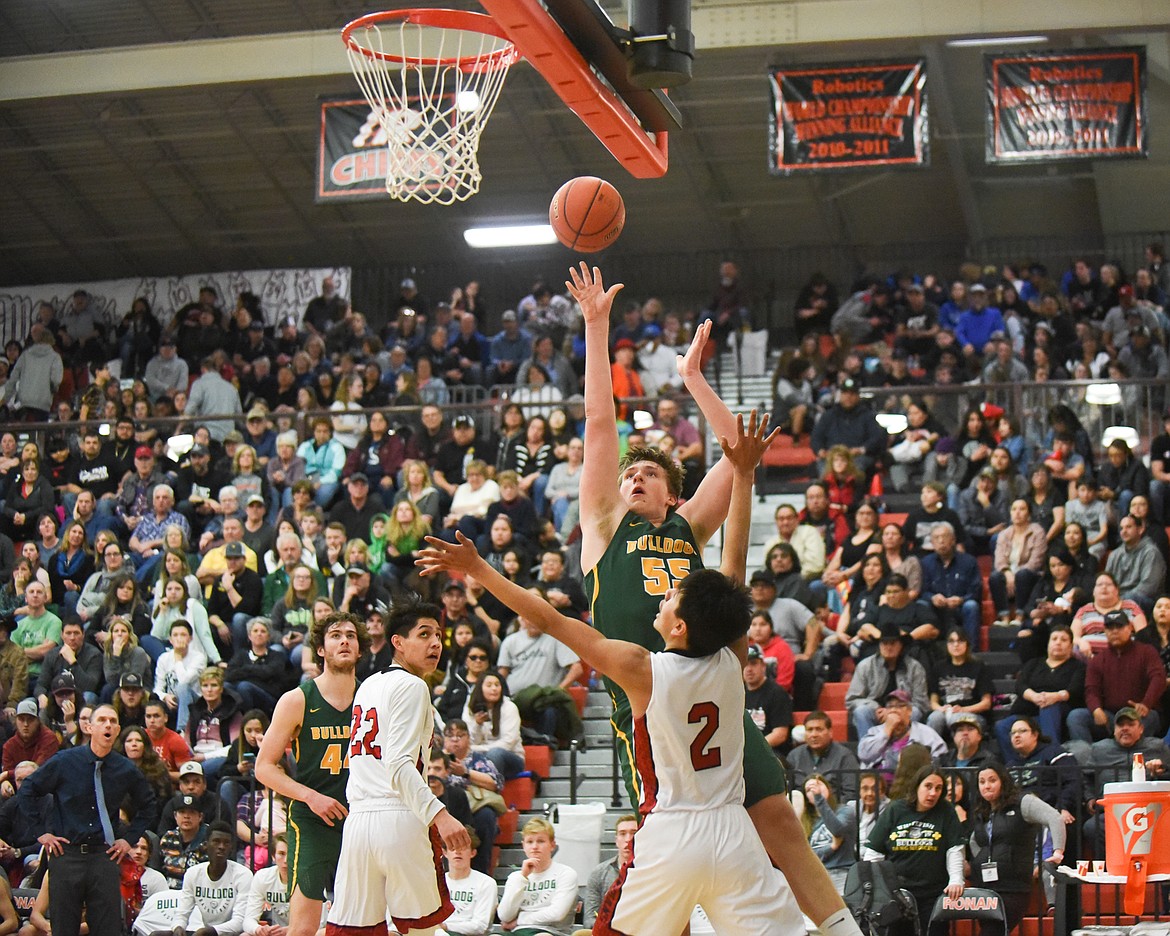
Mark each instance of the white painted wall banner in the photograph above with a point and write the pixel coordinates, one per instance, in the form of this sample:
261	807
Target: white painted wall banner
281	292
827	117
1086	104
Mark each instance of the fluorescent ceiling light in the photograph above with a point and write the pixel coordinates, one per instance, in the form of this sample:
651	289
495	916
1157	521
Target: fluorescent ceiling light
514	235
979	42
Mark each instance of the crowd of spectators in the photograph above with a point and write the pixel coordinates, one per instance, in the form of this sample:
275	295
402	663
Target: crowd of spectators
177	579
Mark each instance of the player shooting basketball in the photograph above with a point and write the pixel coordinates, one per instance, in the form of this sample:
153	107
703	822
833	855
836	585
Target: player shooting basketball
696	843
637	544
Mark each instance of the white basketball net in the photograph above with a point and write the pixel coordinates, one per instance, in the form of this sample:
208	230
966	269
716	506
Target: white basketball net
432	90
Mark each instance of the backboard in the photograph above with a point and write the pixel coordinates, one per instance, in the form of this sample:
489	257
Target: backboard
585	58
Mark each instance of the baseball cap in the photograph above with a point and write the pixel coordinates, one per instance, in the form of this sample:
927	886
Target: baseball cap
234	551
407	283
185	801
358	477
255	499
190	767
257	412
64	682
1125	290
897	697
977	288
454	585
1116	619
256	325
651	331
625	343
915	287
463	422
760	577
199	450
1128	712
890	631
754	653
130	681
144	451
234	436
508	316
27	707
357	569
965	720
850	384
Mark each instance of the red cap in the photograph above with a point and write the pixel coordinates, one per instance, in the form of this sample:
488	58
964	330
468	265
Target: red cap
1125	290
144	451
625	343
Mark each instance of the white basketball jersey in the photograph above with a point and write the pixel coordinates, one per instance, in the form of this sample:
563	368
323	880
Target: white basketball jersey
688	747
390	743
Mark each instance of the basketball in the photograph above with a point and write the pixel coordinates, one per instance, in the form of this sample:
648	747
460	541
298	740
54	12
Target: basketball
587	214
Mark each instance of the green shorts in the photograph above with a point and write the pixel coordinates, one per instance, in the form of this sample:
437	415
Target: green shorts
313	852
763	774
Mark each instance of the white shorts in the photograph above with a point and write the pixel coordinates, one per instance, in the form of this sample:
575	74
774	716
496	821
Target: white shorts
712	858
390	867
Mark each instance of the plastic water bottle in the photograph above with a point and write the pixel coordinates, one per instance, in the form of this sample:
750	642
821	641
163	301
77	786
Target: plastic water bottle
1139	768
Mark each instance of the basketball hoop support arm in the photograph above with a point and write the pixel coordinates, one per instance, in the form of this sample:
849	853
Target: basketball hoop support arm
549	51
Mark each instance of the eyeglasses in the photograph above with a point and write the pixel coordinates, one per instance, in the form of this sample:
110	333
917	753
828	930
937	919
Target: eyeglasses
476	656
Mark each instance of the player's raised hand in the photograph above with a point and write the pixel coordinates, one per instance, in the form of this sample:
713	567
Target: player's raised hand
689	364
750	443
587	288
442	556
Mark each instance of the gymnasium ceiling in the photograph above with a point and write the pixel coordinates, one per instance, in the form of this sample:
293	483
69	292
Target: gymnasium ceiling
116	164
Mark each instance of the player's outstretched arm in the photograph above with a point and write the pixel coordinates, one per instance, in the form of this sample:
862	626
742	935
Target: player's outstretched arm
287	718
616	658
601	507
742	452
706	511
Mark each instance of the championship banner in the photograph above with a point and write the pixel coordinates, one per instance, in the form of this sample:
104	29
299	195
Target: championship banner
1054	105
848	117
351	152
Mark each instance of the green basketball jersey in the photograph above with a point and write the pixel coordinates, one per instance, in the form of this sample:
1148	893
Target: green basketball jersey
641	563
322	749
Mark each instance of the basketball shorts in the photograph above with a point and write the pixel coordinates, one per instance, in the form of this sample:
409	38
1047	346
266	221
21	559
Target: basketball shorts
763	774
391	867
711	857
313	849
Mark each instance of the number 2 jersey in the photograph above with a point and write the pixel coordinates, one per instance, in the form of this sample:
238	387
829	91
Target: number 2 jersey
391	740
640	564
688	746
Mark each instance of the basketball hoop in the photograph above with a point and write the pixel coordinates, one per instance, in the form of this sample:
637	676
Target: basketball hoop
432	78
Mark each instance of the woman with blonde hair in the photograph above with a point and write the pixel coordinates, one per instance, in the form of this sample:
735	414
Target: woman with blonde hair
122	657
245	477
70	565
419	490
406	532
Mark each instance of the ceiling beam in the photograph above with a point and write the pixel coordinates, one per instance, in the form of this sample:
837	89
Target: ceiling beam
716	24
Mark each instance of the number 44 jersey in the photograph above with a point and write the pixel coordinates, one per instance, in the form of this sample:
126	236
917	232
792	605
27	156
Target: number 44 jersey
688	746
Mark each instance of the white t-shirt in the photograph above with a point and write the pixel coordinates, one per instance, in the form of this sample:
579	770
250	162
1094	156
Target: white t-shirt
153	882
220	903
158	913
547	899
475	898
268	894
534	661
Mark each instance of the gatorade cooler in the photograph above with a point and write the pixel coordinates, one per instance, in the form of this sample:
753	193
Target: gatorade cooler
578	829
1137	836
